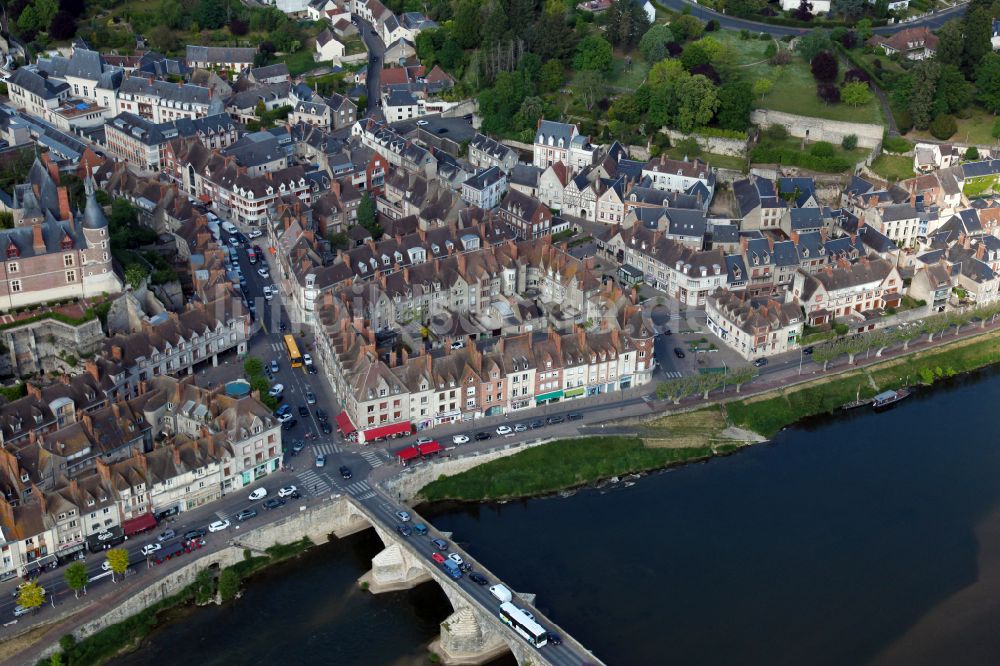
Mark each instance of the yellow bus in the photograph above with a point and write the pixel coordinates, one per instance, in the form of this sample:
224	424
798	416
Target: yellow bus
293	351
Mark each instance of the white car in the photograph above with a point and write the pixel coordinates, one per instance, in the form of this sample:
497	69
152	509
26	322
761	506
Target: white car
234	241
403	516
287	491
267	294
260	493
504	431
423	440
255	233
105	566
287	416
263	272
422	123
151	548
307	359
460	439
456	558
276	390
218	526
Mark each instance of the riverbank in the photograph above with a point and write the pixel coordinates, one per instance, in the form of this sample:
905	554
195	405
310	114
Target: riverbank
697	435
128	634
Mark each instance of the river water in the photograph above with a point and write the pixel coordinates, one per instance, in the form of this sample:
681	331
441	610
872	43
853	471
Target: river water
857	539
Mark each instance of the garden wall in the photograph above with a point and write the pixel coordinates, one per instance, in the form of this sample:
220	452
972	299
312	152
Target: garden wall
711	144
819	129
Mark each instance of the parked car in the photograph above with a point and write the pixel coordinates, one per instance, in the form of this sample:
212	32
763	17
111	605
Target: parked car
345	472
150	548
287	491
460	439
246	514
263	272
303	411
326	427
437	557
255	233
310	398
556	419
259	493
808	350
760	363
274	364
166	534
504	431
321	414
21	610
537	423
440	544
273	503
276	390
574	416
520	427
298	445
482	436
284	418
288	425
678	352
403	516
307	359
320	461
267	294
311	369
194	534
219	525
423	440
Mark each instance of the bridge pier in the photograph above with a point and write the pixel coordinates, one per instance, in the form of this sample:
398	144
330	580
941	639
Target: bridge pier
394	568
466	636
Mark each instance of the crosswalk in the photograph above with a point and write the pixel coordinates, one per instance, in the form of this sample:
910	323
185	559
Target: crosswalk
313	483
221	515
673	375
360	489
327	449
277	346
372	458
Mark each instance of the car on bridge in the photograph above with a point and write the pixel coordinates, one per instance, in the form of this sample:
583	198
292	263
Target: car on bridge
553	420
482	436
194	534
287	491
403	530
554	638
273	503
456	558
440	544
150	548
478	578
760	363
403	516
437	557
166	534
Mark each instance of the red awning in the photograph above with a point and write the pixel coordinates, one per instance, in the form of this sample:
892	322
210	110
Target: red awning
139	524
344	424
409	453
429	448
382	432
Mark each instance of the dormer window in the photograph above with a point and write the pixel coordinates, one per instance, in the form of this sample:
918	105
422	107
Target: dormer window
25	477
12	251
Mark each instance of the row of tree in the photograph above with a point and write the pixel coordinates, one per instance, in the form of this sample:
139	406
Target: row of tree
702	384
32	595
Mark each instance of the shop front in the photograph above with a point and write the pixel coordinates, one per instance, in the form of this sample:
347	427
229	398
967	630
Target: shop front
548	398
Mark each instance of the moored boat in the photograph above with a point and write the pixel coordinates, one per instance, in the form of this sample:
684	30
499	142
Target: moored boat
886	399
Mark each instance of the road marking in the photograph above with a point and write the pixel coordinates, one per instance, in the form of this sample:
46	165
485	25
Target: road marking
372	458
359	488
673	375
313	483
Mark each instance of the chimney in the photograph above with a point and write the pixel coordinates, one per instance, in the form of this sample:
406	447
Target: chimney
823	233
116	352
177	455
392	359
770	243
795	237
33	390
64	210
91	367
88	423
404	356
744	244
38	242
980	251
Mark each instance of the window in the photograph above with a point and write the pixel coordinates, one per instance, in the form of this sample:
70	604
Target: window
12	267
15	286
70	276
68	259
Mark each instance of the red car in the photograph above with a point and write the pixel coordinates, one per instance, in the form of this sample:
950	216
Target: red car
437	557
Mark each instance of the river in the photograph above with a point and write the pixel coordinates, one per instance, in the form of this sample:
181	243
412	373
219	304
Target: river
857	539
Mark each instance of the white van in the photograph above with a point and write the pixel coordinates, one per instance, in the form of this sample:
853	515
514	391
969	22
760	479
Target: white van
502	593
228	227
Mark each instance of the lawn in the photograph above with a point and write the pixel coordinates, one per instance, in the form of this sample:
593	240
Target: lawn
301	62
624	78
976	129
793	143
893	167
794	91
751	50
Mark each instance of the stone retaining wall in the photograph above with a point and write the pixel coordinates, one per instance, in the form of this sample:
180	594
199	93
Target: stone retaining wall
819	129
711	144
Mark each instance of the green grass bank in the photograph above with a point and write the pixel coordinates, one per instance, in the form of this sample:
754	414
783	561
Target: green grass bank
564	463
124	636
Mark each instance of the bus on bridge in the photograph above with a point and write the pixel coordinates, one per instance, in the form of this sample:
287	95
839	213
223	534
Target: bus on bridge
529	630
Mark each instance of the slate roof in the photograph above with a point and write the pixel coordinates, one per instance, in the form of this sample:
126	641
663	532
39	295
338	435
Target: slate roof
485	178
563	132
36	84
220	54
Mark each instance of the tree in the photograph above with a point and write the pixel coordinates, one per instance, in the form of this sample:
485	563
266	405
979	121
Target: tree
63	26
988	83
135	274
686	27
735	106
368	216
850	9
740	376
532	108
163	38
971	153
824	67
864	30
953	92
976	30
625	23
229	584
589	86
813	43
828	92
849	142
253	366
551	77
30	596
210	14
467	23
77	578
56	659
593	54
708	382
118	561
856	94
922	91
995	132
762	86
745	8
951	43
653	44
695	54
697	101
943	126
238	27
821	149
804	12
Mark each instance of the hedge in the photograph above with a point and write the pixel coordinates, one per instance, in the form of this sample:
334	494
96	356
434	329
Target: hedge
721	133
896	144
860	64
